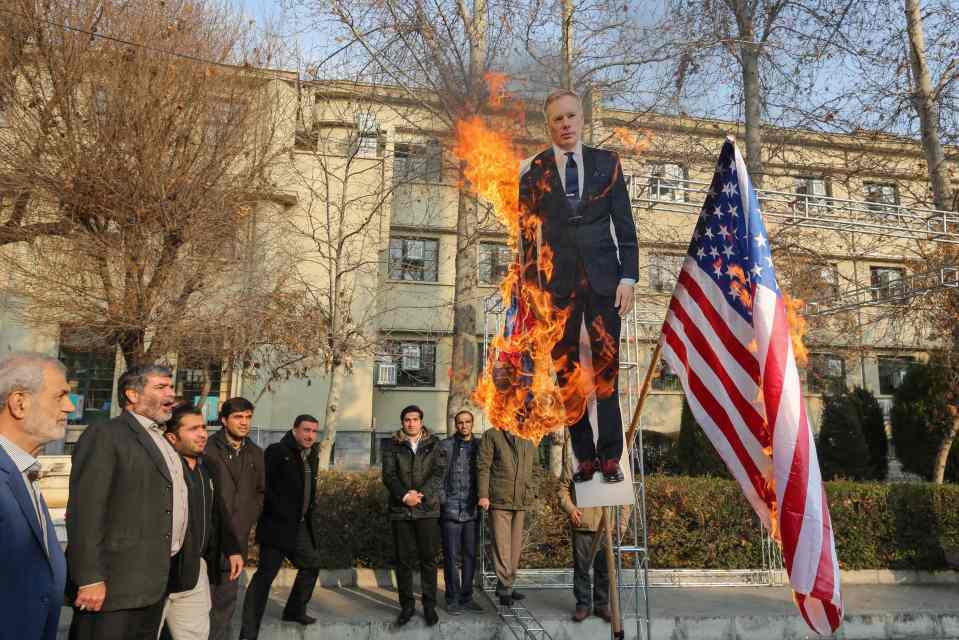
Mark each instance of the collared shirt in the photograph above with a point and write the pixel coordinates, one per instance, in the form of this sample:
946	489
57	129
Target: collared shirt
24	461
414	442
562	159
180	495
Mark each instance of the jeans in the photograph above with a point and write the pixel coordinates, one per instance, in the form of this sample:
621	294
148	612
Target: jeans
459	543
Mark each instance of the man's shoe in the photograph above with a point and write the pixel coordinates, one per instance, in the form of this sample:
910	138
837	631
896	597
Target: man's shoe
505	601
454	609
604	613
585	470
517	596
431	616
611	471
471	605
580	614
405	616
303	619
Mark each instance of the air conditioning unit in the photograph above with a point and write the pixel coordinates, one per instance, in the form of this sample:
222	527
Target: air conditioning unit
385	374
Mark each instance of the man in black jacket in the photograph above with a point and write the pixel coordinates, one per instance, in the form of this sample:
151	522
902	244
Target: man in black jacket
126	514
285	529
236	464
414	467
460	515
209	534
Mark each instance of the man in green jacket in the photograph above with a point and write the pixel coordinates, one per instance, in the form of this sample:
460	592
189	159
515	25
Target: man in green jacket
504	469
414	469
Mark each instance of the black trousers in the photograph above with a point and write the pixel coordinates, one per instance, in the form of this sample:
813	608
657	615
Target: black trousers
603	326
459	545
416	544
126	624
223	603
589	593
257	594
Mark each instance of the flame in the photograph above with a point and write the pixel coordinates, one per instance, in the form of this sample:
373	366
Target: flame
797	328
496	85
636	144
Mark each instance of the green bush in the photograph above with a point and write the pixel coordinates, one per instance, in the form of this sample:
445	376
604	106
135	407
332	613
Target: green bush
693	523
842	448
920	419
873	431
659	452
695	454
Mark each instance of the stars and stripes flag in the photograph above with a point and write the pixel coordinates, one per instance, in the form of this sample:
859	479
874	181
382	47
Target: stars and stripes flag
726	336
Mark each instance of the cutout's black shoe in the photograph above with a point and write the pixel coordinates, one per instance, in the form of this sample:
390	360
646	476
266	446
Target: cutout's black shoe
585	470
611	471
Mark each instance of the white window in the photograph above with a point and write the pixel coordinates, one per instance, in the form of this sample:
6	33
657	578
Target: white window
664	271
666	182
494	261
881	196
417	162
367	135
811	192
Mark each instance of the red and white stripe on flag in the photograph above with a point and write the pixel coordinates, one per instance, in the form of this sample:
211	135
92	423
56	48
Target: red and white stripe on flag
726	336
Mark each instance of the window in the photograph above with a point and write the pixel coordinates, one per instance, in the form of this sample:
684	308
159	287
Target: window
90	375
367	136
828	281
881	196
414	259
888	283
811	192
666	182
664	270
892	369
826	373
665	379
494	261
189	384
415	162
416	362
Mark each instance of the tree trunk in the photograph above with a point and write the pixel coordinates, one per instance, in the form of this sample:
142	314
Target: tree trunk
331	417
568	44
924	101
133	346
752	95
942	456
465	324
556	448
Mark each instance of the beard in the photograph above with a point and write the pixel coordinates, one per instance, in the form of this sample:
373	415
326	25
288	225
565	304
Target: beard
44	428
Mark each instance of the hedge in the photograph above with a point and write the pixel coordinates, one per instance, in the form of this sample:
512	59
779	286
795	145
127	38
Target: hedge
700	523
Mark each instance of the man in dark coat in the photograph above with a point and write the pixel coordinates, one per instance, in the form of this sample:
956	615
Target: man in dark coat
414	467
126	514
208	535
285	529
236	463
578	196
34	405
459	518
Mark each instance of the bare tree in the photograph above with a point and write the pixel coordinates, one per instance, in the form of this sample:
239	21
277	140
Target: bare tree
138	150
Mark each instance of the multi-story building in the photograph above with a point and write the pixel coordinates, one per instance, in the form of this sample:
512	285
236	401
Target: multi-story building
845	213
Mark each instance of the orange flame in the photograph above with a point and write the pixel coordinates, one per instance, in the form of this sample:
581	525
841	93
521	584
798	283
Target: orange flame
496	85
633	142
797	328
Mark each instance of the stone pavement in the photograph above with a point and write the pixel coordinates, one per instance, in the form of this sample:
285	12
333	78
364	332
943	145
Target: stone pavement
364	610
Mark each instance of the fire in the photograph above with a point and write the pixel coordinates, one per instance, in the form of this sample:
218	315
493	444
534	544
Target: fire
635	143
520	389
797	328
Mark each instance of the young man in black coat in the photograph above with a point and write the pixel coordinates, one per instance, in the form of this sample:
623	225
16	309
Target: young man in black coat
285	529
208	535
414	467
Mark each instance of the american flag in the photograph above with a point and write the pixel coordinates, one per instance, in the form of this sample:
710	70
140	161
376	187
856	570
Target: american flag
726	336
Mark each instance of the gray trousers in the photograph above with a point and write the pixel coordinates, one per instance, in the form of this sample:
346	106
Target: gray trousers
223	603
595	592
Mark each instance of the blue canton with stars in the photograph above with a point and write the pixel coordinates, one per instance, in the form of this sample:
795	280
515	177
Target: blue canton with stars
729	244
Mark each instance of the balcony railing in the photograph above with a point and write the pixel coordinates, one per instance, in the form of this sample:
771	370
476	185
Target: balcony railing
809	211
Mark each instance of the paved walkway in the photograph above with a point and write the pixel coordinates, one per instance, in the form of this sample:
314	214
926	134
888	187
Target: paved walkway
873	612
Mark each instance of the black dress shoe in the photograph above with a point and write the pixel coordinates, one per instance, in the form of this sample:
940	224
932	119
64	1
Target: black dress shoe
303	619
518	596
611	471
405	616
431	616
585	470
506	601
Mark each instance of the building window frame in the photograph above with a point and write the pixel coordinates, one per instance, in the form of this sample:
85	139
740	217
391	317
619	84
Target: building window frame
665	379
886	288
415	361
413	259
811	192
667	181
664	271
417	162
881	197
826	373
493	262
892	370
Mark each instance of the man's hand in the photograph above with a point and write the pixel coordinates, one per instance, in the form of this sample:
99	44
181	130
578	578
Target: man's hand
484	504
91	598
624	299
412	498
576	517
236	566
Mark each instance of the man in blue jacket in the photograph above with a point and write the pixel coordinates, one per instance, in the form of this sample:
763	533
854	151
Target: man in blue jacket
458	518
34	405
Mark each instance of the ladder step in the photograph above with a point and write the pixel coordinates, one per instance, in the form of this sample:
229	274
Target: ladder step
631	549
